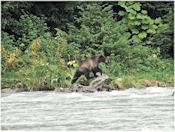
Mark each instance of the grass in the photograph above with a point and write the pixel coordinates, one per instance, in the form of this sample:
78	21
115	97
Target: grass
37	78
55	76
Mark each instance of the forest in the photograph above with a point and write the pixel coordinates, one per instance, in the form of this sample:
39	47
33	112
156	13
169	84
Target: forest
43	43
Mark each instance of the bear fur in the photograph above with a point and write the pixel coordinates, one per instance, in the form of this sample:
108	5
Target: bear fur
90	65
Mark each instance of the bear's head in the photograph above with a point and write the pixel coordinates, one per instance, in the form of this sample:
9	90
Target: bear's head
102	58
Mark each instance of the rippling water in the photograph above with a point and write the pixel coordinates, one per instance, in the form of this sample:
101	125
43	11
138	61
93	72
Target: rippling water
133	109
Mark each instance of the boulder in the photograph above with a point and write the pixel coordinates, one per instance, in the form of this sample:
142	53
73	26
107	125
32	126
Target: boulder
98	84
20	87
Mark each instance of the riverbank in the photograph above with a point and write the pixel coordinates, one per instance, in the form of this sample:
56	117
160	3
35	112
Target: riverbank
101	83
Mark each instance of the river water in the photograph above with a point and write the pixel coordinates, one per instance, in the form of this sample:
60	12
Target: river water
132	110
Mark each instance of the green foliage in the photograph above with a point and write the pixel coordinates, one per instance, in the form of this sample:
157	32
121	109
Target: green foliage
139	23
163	39
32	26
7	40
43	43
93	21
128	82
11	11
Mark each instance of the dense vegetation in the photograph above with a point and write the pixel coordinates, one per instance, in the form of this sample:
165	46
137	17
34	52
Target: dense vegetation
44	42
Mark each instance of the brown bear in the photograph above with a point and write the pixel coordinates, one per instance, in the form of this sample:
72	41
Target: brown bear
88	66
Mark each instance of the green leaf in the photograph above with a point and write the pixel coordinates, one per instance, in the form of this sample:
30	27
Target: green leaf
130	10
135	31
145	21
158	20
131	16
151	31
108	8
150	21
142	35
144	27
136	6
131	22
130	2
125	20
128	34
133	12
139	16
121	13
122	4
144	12
137	23
153	27
135	38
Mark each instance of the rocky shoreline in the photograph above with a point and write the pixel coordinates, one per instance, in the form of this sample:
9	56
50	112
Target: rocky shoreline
100	83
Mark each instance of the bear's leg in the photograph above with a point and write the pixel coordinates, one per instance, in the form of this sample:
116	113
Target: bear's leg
94	73
99	70
87	75
76	76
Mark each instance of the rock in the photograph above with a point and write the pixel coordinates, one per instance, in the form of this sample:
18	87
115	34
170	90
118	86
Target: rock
88	90
149	83
16	90
65	90
13	90
43	86
19	87
7	90
98	84
108	88
22	86
161	84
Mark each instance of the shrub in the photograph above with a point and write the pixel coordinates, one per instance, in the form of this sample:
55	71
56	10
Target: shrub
32	27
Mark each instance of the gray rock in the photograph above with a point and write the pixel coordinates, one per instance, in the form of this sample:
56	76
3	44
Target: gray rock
65	90
13	90
98	84
19	87
7	90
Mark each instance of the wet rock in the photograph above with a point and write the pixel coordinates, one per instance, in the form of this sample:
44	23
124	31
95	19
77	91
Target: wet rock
88	90
65	90
98	84
108	88
14	88
7	90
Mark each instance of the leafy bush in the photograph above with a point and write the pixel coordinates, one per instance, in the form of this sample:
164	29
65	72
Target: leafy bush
32	27
139	23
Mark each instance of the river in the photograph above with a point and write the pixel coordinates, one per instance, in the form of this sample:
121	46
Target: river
132	110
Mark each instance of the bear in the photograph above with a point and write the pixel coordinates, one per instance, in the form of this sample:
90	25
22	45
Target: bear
90	65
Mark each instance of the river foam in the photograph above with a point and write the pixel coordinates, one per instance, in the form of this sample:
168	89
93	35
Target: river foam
132	110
